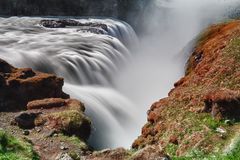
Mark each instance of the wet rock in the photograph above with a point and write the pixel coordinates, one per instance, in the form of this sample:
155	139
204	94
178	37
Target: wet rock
97	28
93	30
52	24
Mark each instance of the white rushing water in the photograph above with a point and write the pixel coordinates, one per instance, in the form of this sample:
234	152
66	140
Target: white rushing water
86	60
116	81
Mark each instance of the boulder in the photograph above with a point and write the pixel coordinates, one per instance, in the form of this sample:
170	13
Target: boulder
97	28
62	23
20	85
26	120
58	115
46	103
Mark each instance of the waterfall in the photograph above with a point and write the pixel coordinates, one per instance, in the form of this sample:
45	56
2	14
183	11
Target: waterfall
113	73
80	56
87	60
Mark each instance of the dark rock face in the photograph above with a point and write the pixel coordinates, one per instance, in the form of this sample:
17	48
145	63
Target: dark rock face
25	120
19	86
52	24
97	28
223	103
121	9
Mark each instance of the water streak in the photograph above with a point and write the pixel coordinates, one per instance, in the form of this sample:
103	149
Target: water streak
86	60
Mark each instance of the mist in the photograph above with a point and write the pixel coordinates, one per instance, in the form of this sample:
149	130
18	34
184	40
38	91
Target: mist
115	74
167	31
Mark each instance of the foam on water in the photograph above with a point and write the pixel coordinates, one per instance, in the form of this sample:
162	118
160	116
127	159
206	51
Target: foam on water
86	60
116	81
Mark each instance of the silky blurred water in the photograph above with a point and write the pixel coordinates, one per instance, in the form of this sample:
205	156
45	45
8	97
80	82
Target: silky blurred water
115	74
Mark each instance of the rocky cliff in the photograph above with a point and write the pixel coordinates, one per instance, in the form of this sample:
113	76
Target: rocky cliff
200	114
19	86
128	10
34	108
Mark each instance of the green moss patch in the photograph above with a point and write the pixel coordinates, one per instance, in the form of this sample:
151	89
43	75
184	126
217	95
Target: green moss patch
15	149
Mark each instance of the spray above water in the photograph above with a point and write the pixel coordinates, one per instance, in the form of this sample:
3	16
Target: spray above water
117	82
166	38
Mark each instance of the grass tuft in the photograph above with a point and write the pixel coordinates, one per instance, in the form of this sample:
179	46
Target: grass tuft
12	148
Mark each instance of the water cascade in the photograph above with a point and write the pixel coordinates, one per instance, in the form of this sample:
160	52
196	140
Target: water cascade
105	68
87	59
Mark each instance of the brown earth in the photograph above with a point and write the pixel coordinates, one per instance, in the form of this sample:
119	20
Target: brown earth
20	86
182	122
33	107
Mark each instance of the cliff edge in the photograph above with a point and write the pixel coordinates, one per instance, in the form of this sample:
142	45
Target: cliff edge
201	114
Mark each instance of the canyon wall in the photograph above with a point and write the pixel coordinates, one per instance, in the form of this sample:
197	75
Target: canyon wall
199	114
128	10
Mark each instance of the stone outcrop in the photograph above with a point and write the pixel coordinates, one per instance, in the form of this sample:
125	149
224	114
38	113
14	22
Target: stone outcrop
58	115
34	108
97	28
223	104
20	86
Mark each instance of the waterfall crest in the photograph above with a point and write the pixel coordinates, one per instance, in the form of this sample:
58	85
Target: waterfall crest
100	66
87	60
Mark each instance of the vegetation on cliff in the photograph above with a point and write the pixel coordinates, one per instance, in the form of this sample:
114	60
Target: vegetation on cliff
200	116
